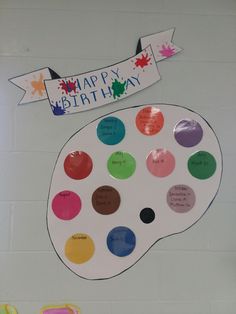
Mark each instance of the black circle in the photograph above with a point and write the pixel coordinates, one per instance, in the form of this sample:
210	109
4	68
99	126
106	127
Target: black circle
147	215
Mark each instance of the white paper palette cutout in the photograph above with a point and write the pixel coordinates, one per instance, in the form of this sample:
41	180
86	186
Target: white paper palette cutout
125	181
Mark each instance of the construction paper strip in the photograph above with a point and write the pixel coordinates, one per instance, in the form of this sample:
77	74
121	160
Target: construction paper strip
76	93
7	309
60	309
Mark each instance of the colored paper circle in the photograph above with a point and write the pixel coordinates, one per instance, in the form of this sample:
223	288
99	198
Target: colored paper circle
202	165
121	241
181	198
79	248
78	165
66	205
121	165
160	162
188	133
149	120
147	215
111	130
106	200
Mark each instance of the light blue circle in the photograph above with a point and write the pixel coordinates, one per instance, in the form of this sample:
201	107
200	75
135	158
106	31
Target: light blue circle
121	241
111	130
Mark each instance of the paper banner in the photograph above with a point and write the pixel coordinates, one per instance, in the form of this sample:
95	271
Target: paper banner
76	93
60	309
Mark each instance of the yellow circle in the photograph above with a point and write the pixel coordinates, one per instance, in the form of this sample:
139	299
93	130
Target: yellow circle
79	248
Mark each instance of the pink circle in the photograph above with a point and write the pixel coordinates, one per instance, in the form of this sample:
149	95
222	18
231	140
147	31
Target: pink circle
66	205
160	162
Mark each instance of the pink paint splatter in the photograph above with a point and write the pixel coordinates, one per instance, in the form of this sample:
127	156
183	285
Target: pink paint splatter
143	61
167	51
68	86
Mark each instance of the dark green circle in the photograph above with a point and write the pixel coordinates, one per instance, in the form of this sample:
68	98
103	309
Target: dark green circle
202	165
121	165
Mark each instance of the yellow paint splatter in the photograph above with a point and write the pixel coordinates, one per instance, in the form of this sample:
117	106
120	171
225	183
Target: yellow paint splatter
79	248
38	86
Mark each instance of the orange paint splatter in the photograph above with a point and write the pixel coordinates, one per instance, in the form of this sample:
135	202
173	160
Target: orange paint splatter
142	62
38	86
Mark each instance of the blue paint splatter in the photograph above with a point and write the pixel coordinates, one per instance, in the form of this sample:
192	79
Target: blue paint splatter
57	110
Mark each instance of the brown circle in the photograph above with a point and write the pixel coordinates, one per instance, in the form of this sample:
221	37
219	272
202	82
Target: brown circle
106	200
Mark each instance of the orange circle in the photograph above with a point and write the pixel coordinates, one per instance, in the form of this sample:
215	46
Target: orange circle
79	248
149	120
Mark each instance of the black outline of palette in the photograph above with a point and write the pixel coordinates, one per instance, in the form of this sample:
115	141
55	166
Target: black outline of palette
137	106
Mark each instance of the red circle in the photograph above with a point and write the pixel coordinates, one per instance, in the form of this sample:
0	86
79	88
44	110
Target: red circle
149	120
66	205
78	165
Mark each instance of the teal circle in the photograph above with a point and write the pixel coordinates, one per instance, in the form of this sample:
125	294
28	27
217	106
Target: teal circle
111	130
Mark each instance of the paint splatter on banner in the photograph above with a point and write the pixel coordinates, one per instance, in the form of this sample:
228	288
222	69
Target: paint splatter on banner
76	93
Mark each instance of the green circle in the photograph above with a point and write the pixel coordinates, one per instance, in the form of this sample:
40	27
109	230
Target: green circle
121	165
202	165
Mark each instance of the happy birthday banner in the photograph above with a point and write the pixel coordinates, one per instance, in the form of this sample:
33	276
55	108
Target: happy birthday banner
76	93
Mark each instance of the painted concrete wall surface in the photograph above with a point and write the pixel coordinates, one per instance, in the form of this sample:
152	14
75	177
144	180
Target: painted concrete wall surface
193	272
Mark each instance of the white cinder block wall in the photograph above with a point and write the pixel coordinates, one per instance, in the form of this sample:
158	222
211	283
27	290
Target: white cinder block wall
192	273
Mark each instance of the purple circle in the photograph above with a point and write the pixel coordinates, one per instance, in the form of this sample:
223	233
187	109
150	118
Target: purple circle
181	198
188	132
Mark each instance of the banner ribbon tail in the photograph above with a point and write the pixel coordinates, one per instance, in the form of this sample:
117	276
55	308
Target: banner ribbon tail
33	84
161	43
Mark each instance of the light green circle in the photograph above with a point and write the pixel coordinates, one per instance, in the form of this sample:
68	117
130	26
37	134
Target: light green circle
121	165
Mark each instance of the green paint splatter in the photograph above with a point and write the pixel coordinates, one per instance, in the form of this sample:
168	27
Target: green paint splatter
118	88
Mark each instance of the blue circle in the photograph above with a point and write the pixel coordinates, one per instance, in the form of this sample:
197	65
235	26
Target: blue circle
111	130
121	241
